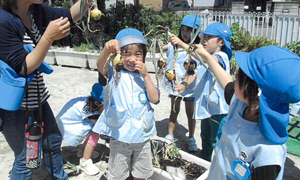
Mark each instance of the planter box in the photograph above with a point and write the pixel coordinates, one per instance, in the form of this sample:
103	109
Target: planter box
71	58
160	174
50	58
63	57
92	60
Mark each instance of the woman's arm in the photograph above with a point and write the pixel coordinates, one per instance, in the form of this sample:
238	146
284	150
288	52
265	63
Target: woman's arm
56	29
75	9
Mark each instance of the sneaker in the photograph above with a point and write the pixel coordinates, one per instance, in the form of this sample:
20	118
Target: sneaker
169	139
94	155
192	144
88	167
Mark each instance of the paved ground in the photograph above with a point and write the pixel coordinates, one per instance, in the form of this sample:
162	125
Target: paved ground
66	83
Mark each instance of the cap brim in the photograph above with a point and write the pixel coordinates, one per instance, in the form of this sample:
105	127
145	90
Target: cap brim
242	59
273	120
132	40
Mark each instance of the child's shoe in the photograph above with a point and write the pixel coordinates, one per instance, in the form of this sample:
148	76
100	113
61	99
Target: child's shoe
88	167
169	139
94	155
192	144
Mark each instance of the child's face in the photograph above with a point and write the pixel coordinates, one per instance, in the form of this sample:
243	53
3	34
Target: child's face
185	33
212	43
131	56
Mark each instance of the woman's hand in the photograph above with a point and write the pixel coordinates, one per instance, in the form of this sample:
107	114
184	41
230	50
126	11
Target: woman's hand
57	29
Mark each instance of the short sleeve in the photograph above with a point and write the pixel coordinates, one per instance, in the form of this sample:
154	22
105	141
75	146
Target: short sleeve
52	13
228	92
102	80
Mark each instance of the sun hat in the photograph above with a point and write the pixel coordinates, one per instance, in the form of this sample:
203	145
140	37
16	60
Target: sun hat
97	90
276	72
130	36
189	20
221	30
12	84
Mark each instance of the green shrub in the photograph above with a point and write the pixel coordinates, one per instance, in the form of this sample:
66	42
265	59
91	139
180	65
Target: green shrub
239	39
66	4
294	47
121	16
58	3
83	47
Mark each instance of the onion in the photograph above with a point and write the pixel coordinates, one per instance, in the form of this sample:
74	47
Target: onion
118	62
161	63
190	66
96	13
170	74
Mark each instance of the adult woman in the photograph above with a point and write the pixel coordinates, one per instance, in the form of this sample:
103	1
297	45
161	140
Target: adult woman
43	24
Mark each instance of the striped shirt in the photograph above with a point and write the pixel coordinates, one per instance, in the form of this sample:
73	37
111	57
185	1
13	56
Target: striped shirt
37	84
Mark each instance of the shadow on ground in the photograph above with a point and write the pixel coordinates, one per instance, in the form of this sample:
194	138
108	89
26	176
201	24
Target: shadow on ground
181	140
290	170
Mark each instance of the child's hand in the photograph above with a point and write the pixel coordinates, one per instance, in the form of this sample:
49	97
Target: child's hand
141	67
175	40
113	46
199	48
180	88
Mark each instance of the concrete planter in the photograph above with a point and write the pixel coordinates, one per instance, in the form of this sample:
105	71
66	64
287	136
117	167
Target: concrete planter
50	58
160	174
71	58
92	60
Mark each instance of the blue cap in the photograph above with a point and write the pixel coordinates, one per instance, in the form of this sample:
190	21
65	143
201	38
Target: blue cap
223	31
97	92
130	36
189	20
276	72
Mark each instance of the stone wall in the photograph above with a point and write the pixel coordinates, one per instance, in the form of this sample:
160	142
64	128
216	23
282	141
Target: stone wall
291	8
158	4
237	7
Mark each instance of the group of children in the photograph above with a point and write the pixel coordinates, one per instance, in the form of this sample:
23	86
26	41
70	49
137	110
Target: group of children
244	120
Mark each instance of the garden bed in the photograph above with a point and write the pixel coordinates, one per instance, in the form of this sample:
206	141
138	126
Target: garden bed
171	163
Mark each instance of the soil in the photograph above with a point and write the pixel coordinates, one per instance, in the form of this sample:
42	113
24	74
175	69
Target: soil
168	155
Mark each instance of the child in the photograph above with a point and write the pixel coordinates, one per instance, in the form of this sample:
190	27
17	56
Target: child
128	117
76	120
252	142
181	41
211	107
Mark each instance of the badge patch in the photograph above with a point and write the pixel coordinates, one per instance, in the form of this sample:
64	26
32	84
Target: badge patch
143	97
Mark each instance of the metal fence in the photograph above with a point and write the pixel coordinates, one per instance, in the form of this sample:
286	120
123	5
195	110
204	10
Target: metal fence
279	27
